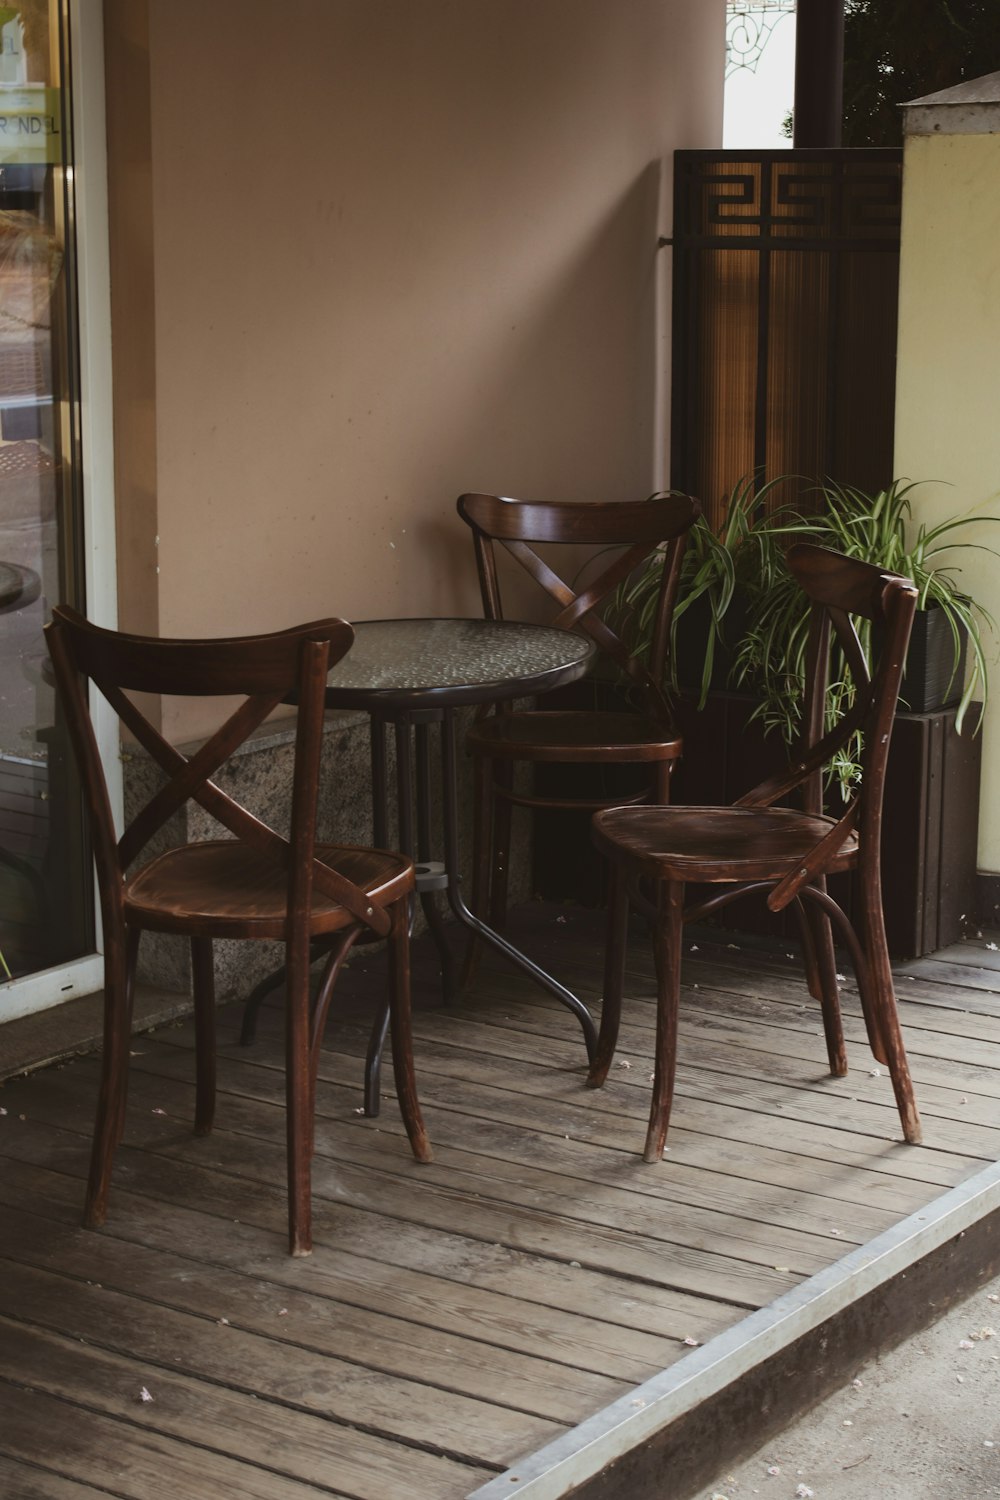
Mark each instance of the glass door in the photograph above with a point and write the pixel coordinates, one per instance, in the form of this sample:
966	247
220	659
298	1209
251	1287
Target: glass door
46	897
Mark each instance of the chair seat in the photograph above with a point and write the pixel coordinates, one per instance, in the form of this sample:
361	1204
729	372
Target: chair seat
715	844
224	889
574	735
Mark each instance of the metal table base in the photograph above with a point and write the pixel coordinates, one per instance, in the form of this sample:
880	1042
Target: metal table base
434	876
411	674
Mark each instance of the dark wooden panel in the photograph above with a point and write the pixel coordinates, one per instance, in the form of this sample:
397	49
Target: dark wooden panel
784	316
959	833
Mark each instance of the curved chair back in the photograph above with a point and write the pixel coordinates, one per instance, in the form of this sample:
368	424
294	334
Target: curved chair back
638	528
840	587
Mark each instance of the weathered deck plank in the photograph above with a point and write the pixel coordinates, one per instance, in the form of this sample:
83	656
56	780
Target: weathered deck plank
195	1409
354	1281
128	1457
453	1316
28	1482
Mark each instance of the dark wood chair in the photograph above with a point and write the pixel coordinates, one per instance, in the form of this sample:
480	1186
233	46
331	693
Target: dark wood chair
644	736
786	852
255	884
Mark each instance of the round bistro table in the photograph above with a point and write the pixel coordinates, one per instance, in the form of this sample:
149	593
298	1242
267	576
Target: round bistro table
411	674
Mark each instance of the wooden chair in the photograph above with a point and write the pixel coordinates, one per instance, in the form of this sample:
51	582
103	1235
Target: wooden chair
254	884
645	737
758	846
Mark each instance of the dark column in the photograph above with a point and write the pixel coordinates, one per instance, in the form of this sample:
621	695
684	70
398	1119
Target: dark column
819	73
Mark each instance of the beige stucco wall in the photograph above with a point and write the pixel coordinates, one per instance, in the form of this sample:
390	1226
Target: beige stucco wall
398	250
948	409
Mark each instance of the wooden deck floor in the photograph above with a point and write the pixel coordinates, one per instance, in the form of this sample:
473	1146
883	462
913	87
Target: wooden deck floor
457	1316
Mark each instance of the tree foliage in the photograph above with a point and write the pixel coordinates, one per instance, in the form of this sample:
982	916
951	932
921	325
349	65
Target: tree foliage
897	50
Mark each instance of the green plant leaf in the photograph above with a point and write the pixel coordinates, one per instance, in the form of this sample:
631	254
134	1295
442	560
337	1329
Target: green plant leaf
745	558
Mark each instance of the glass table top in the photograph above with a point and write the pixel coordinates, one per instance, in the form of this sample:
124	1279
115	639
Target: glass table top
428	662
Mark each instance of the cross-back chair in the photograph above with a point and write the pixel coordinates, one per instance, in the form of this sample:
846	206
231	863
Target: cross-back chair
255	884
646	736
787	853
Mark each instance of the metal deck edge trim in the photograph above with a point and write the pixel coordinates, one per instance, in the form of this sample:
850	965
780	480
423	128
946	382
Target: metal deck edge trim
552	1472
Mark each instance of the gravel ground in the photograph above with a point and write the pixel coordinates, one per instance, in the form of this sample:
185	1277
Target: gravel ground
920	1423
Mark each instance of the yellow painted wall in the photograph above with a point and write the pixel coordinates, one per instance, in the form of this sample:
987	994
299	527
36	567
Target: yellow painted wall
397	249
948	381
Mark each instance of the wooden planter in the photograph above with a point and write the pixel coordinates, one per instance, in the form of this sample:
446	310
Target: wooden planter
931	680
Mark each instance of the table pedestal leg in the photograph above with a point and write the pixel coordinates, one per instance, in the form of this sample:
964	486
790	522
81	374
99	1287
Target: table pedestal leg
416	842
320	947
449	789
431	876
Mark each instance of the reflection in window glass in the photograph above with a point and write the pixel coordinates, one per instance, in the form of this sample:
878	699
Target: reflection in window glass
45	901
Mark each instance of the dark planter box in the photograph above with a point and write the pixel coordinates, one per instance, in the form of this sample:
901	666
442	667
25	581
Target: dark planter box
931	679
692	633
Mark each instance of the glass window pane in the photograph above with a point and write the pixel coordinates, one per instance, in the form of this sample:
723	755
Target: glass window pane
45	899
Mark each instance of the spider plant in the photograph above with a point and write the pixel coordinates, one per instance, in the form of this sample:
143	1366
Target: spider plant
715	564
745	556
877	529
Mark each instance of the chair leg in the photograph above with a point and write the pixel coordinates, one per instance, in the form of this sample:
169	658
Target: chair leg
132	936
338	952
868	995
661	782
114	1067
807	937
866	989
867	992
204	1031
298	1097
402	1033
821	974
253	1002
667	951
614	975
887	1020
373	1060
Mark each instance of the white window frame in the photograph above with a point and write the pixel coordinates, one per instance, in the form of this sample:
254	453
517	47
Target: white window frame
36	992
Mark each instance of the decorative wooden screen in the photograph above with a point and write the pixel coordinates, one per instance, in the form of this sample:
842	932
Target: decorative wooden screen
786	268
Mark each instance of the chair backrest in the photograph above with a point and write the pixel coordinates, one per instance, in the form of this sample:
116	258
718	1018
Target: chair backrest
838	588
637	528
264	671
